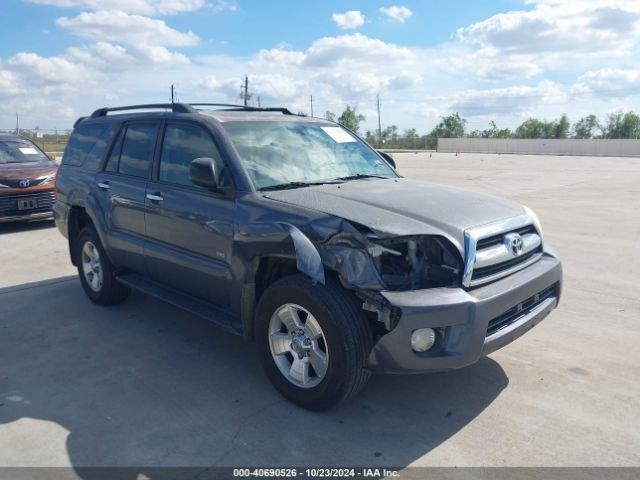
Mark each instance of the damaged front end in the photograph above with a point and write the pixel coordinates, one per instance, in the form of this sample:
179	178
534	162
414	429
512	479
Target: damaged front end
369	263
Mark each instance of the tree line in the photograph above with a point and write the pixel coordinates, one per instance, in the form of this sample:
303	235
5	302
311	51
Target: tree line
615	125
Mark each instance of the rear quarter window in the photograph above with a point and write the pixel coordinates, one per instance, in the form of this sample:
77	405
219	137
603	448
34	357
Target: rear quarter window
82	142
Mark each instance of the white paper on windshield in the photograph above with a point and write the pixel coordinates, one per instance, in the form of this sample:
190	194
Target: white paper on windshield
28	151
338	134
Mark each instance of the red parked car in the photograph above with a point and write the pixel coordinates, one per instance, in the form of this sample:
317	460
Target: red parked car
27	179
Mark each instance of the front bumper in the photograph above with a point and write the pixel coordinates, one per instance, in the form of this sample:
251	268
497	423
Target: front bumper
42	198
31	216
461	318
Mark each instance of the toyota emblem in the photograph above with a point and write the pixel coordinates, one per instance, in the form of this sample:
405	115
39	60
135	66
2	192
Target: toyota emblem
514	243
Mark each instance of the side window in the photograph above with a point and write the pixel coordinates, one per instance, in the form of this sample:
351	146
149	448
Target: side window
92	162
114	157
82	140
184	142
137	149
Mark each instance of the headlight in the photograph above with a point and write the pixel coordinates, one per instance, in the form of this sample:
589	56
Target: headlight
417	262
47	179
3	186
532	215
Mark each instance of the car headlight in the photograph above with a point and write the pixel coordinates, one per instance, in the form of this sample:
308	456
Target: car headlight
47	178
4	186
417	262
534	218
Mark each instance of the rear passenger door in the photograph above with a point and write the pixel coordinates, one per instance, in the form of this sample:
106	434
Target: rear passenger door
189	228
122	186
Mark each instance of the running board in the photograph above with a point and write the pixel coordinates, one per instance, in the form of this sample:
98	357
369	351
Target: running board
203	309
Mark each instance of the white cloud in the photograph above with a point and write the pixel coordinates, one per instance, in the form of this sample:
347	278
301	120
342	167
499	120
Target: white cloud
9	84
101	55
117	26
224	6
399	14
499	71
347	20
50	74
608	82
556	27
507	100
351	50
139	7
271	87
366	83
281	57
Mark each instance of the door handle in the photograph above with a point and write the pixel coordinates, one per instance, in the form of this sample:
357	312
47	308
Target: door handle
154	198
104	185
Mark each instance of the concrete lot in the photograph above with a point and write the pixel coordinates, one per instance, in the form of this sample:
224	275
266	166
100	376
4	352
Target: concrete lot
146	384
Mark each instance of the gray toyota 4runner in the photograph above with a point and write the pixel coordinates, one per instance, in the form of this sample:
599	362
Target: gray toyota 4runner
294	233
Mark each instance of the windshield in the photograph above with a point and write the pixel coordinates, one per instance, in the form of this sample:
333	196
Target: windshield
278	153
19	151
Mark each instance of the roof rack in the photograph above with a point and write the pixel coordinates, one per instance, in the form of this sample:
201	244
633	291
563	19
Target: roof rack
247	108
175	107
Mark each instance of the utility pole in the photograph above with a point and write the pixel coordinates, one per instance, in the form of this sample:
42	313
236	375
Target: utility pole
172	93
311	101
379	122
17	124
245	95
259	106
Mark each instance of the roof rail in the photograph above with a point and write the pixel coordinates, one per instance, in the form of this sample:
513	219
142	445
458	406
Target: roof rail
247	108
175	107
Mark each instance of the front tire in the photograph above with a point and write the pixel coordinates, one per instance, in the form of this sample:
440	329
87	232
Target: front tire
313	341
96	271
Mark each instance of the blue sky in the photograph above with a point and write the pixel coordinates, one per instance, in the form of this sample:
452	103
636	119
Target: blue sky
503	60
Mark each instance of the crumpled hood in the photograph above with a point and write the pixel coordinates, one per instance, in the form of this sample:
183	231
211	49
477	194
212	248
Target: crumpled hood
404	207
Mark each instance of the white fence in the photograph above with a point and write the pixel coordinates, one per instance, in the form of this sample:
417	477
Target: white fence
611	148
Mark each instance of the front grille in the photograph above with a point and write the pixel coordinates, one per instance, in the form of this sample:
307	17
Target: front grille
520	310
497	239
484	272
9	203
493	257
33	182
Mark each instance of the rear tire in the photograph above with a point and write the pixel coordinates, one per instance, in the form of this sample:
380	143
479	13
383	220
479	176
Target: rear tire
328	324
96	271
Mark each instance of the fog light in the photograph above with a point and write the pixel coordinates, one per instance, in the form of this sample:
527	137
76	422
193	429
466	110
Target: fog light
423	339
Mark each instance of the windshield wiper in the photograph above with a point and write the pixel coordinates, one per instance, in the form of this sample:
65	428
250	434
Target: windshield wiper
358	176
298	184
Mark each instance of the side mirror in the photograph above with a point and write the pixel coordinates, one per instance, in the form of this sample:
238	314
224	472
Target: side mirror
388	158
205	172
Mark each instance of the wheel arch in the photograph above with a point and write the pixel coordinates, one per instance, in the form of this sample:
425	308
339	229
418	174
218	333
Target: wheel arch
78	219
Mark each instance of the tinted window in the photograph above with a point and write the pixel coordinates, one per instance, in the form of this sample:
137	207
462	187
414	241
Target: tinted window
92	162
114	157
82	140
137	149
184	143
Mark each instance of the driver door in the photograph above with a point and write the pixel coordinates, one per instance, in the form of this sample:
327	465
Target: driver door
189	229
